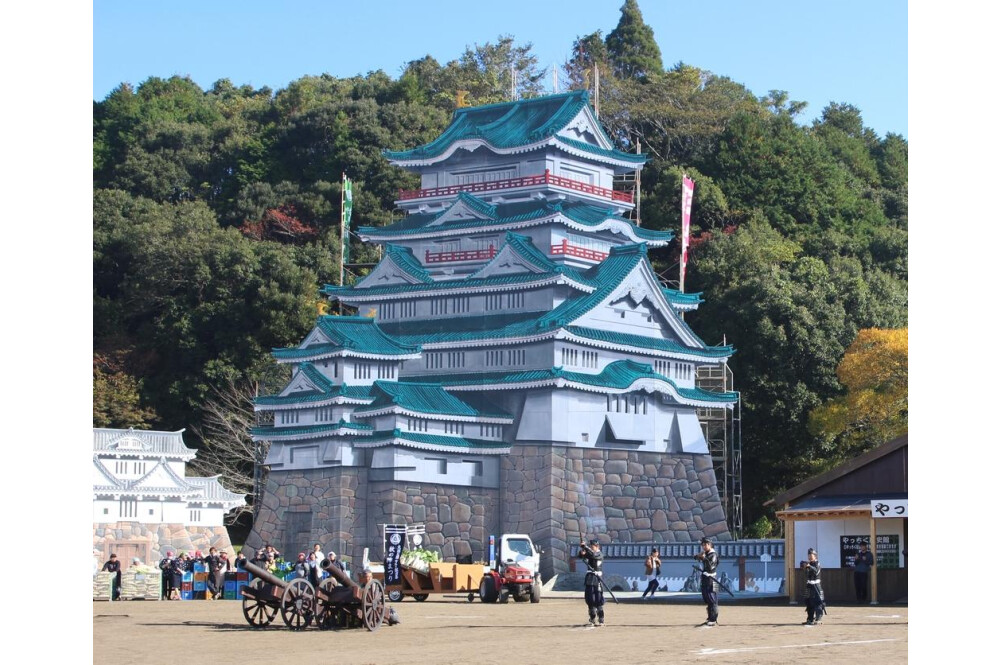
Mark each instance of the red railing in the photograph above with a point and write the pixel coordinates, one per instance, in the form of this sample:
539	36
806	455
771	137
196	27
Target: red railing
467	255
566	249
512	183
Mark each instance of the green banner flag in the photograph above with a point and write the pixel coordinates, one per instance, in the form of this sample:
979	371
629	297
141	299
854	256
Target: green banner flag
345	228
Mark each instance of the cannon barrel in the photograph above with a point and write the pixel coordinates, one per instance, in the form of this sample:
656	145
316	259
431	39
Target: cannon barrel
265	575
336	573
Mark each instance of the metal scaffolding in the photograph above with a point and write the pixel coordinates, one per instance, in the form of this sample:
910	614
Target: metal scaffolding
723	432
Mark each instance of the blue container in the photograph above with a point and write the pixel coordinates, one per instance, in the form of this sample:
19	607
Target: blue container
199	586
231	586
187	595
187	577
200	568
229	595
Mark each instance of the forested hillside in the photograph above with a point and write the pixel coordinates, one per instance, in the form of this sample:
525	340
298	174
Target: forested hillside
216	220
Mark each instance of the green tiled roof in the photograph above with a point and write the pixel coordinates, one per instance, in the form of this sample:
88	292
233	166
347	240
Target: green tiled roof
421	398
477	204
264	432
342	390
512	125
403	257
680	298
618	375
643	342
456	442
316	377
359	334
506	214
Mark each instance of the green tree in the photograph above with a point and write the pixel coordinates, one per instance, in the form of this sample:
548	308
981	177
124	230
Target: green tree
632	50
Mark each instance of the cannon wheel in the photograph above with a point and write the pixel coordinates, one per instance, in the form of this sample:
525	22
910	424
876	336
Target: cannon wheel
257	612
373	605
298	604
325	614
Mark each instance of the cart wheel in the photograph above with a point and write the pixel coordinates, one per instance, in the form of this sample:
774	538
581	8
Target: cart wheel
298	604
373	605
257	612
421	597
324	612
536	591
395	595
487	590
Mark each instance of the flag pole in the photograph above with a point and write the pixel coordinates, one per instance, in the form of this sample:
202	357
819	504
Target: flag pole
343	183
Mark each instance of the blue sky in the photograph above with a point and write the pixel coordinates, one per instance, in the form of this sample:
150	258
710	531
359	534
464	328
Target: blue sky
845	51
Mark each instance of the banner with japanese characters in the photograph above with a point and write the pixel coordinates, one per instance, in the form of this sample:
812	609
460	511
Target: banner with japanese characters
395	540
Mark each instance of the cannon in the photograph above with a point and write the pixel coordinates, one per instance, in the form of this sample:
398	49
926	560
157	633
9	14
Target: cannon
267	594
341	603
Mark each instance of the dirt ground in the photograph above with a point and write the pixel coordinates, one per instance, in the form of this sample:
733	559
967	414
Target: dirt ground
447	629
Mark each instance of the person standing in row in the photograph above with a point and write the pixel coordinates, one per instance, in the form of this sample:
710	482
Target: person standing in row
863	563
815	605
709	564
592	586
652	573
113	565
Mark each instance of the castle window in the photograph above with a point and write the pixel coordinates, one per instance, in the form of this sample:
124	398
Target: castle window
407	309
440	464
439	306
194	515
477	467
460	305
456	359
128	508
150	511
105	511
584	437
433	360
494	301
494	358
515	300
515	357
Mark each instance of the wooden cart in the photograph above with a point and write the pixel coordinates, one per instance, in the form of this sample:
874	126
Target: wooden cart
439	577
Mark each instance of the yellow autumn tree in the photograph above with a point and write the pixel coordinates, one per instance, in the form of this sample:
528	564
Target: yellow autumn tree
874	371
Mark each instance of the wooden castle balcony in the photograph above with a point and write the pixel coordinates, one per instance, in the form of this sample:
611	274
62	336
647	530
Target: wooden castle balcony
514	183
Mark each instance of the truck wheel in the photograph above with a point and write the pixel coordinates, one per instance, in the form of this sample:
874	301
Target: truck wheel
536	592
504	595
487	590
420	597
395	595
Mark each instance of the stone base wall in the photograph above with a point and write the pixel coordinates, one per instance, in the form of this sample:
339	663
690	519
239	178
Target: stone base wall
329	506
459	520
157	539
556	493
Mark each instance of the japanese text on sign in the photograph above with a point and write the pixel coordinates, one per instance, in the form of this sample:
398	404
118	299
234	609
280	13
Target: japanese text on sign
882	508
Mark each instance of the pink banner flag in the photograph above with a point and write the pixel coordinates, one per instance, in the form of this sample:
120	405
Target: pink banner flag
687	196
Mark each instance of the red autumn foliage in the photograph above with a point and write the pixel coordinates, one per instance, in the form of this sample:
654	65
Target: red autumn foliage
280	224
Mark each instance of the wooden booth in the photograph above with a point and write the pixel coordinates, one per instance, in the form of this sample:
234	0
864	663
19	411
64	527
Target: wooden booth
864	499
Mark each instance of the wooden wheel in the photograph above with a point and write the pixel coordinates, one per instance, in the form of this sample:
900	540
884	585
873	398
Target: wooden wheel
373	605
257	612
325	614
298	604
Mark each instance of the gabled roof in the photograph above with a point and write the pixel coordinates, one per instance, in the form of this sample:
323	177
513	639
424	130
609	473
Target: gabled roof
681	301
211	490
424	399
517	126
141	442
434	442
621	375
339	393
496	273
576	215
348	335
604	278
818	481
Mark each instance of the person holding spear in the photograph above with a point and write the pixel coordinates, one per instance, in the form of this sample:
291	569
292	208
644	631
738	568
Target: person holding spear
593	584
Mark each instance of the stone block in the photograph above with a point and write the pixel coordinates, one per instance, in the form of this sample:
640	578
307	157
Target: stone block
659	522
613	479
628	490
686	504
433	527
641	523
642	535
449	529
679	526
613	512
717	529
462	548
616	466
461	512
617	524
713	515
644	491
612	490
444	512
623	502
642	504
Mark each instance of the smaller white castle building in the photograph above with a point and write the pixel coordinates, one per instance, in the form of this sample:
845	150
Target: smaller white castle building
139	477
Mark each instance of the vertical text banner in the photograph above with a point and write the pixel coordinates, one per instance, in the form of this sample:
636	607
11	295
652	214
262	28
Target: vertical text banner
395	538
687	198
